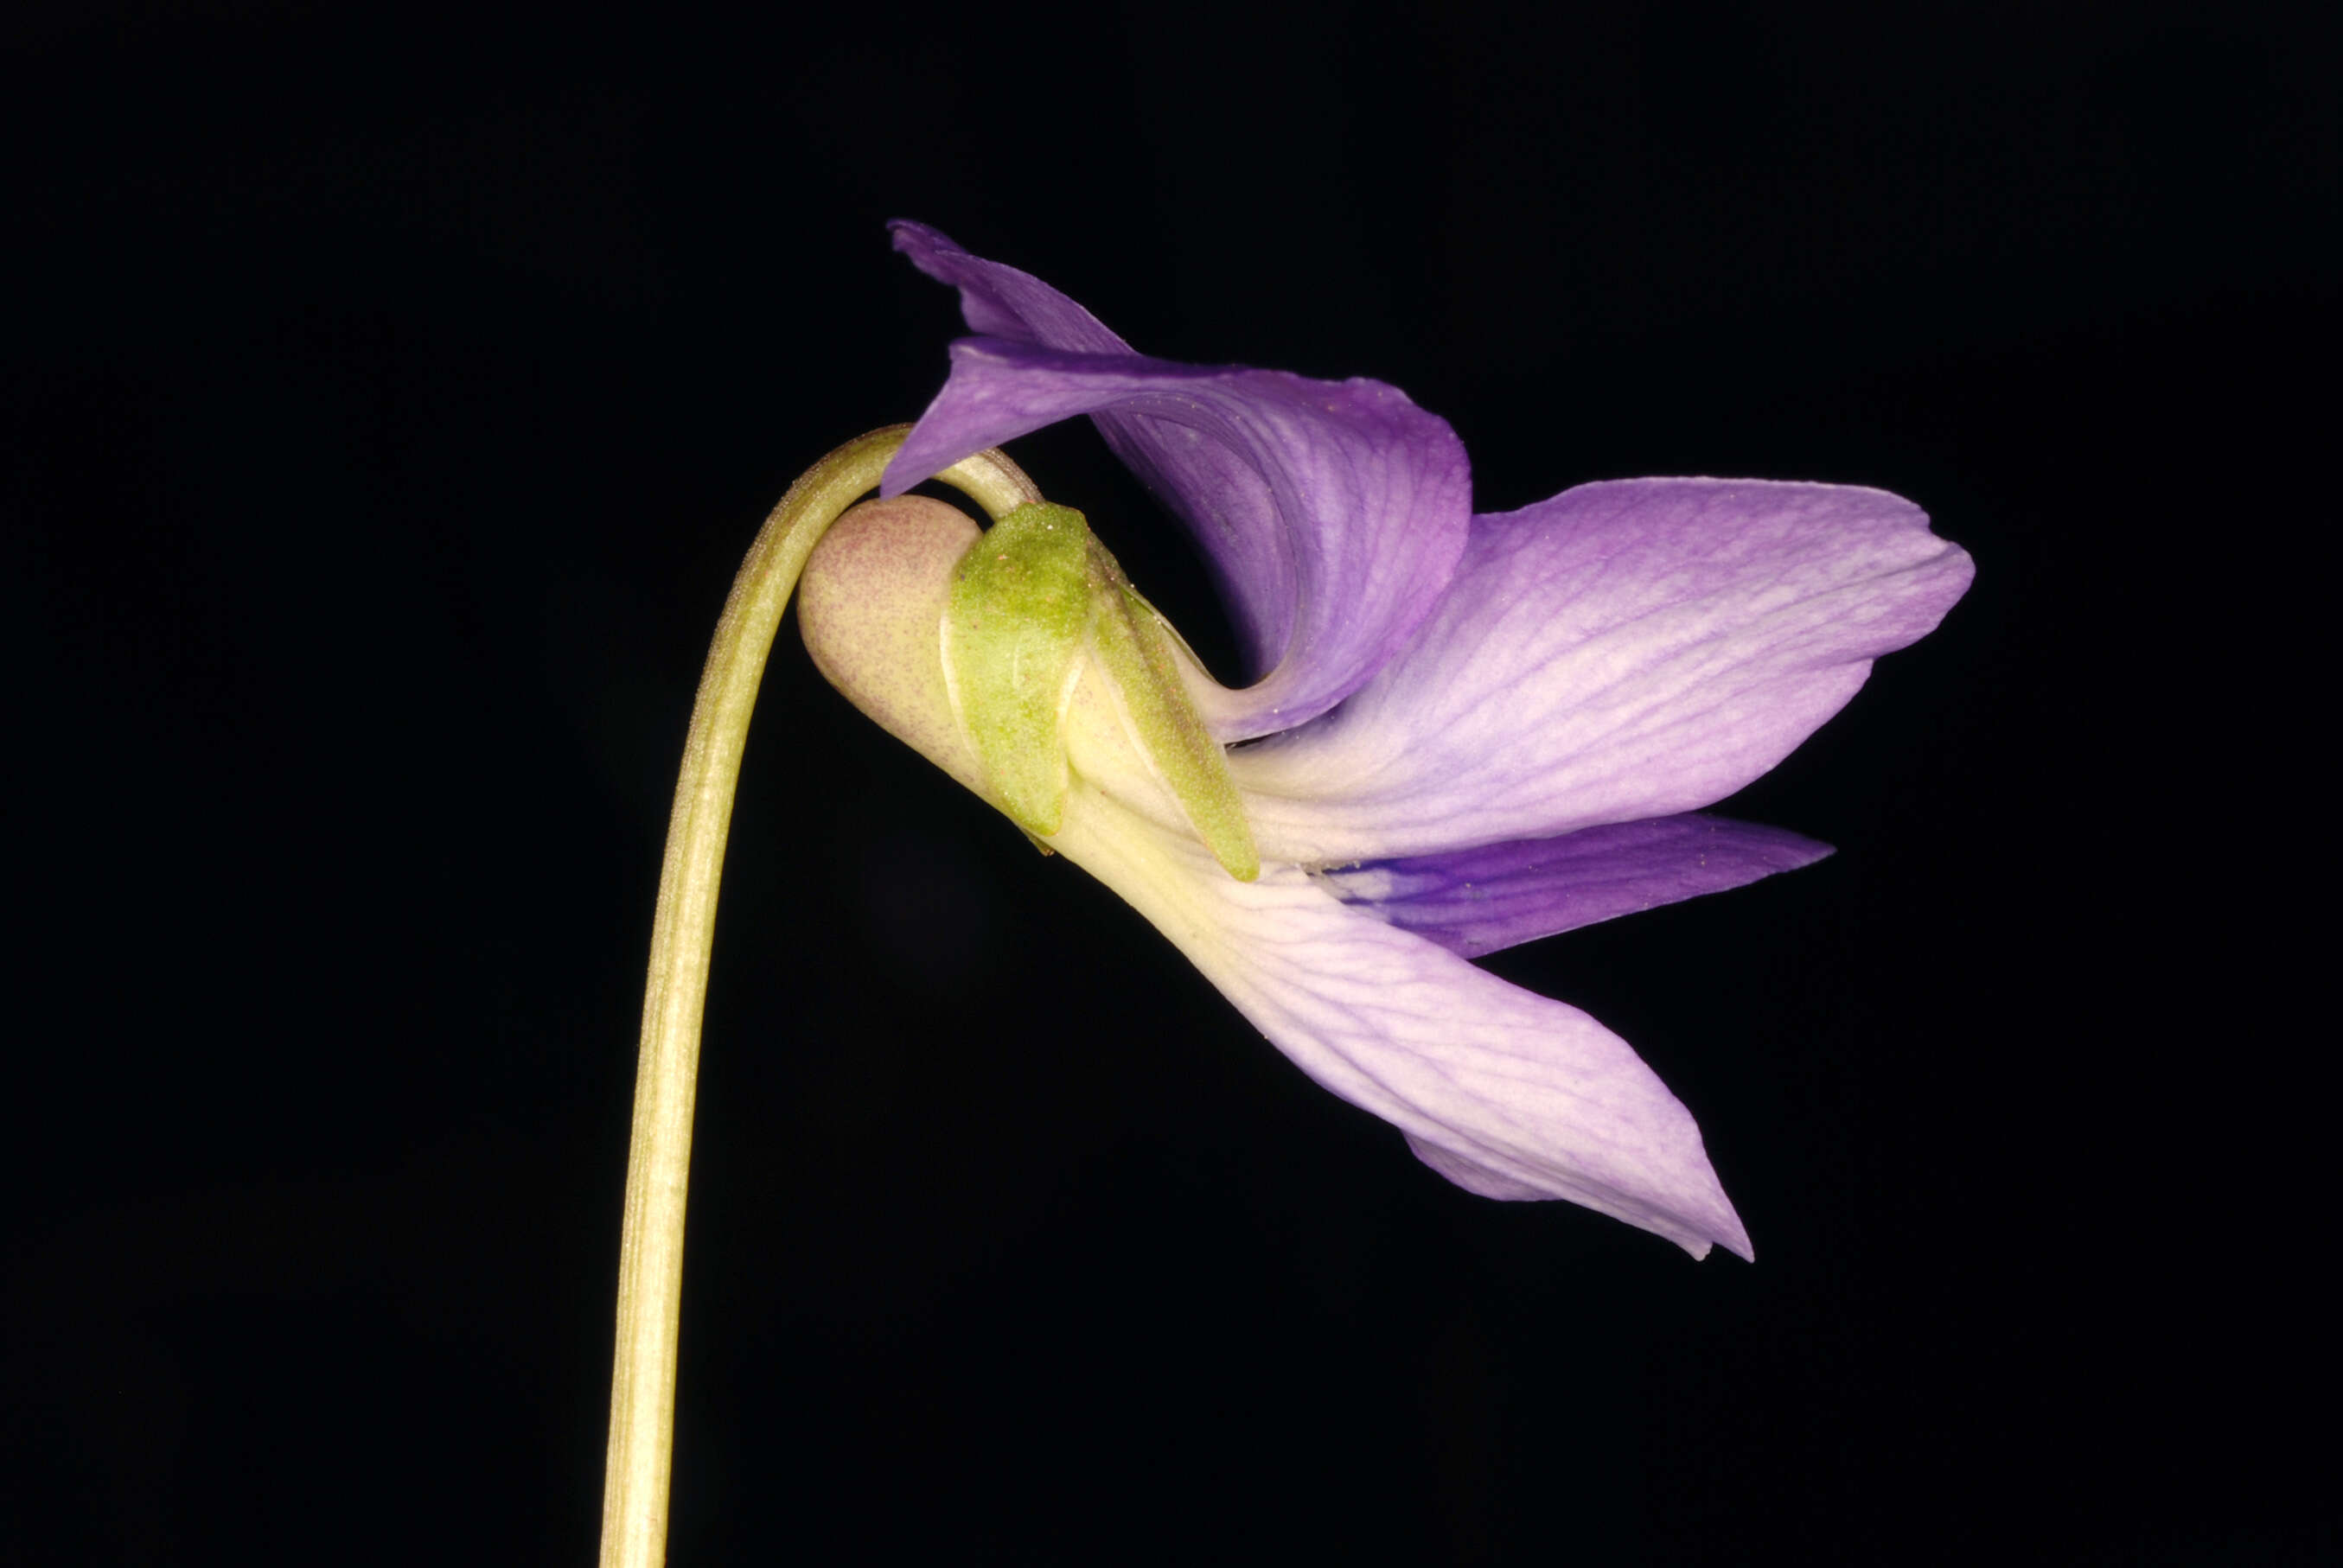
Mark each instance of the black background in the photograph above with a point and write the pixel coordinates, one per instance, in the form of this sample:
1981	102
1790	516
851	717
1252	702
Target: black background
390	396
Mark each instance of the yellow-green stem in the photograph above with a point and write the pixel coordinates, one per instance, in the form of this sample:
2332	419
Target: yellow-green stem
650	1266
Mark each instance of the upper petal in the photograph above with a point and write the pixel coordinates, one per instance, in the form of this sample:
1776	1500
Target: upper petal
1625	650
1475	901
1332	513
1502	1092
999	301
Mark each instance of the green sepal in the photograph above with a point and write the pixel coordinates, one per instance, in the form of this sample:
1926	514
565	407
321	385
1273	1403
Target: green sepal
1030	596
1022	603
1135	648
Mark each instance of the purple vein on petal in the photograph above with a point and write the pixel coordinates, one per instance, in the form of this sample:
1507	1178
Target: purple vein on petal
1625	650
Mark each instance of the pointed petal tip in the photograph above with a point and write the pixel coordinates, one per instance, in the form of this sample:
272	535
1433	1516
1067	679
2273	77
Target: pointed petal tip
1727	1230
912	238
1730	1235
1718	1224
1700	1220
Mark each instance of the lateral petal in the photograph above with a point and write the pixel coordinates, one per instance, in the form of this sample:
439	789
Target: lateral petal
1475	901
1506	1093
1333	512
1625	650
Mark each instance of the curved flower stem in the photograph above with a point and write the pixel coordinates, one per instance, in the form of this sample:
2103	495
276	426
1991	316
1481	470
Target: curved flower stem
650	1267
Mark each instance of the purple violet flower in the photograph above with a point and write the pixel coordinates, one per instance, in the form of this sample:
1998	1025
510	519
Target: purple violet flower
1469	730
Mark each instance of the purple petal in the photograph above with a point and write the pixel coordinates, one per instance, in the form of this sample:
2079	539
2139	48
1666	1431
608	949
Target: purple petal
1504	1092
1002	302
1625	651
1475	901
1332	513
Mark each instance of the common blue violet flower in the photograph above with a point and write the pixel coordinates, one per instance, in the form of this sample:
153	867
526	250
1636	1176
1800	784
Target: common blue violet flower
1466	732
